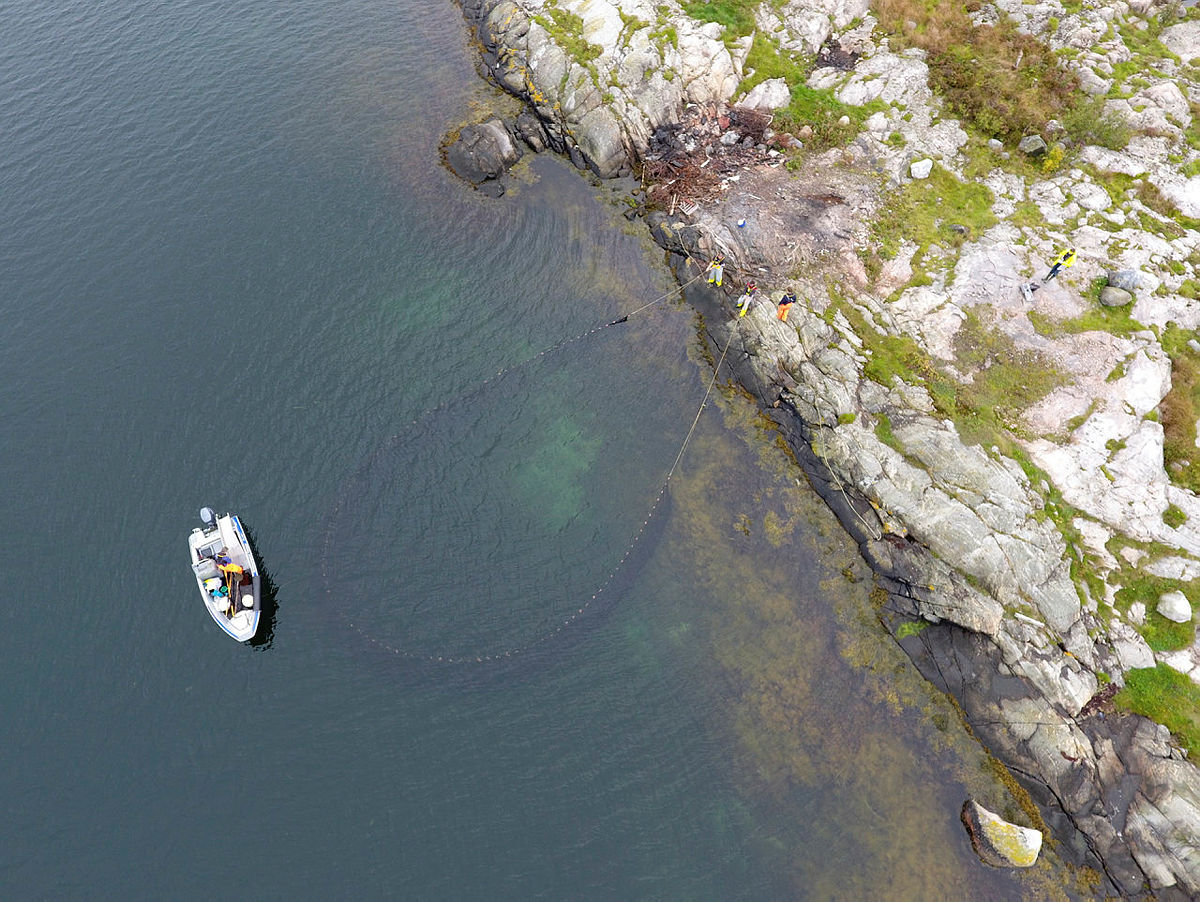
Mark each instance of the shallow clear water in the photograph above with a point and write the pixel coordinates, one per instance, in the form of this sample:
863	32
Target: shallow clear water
234	274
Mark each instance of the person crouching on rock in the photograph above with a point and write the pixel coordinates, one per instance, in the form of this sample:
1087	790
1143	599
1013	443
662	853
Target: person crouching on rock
747	298
785	304
716	270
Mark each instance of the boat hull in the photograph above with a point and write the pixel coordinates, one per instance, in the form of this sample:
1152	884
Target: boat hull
234	604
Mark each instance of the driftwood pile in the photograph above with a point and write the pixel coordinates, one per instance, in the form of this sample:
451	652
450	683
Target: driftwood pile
690	162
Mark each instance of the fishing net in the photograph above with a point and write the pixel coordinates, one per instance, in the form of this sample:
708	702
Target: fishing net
498	521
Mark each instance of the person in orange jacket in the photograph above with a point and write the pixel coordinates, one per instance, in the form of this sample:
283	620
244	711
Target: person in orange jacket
785	304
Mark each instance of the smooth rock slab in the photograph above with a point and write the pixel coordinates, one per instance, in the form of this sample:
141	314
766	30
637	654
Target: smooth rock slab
996	841
768	95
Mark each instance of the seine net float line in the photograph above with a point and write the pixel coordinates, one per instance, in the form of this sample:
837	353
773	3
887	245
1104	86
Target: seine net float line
545	637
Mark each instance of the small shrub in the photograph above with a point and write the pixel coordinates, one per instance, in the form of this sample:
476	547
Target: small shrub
1088	122
910	628
975	67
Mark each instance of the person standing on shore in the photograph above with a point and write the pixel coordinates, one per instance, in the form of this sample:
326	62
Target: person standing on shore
1066	258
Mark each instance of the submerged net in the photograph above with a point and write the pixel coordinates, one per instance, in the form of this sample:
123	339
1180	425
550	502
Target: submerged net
500	521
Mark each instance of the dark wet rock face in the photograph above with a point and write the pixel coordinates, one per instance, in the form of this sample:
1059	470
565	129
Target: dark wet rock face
482	152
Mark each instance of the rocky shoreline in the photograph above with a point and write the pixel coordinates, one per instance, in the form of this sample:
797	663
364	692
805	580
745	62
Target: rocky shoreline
1002	553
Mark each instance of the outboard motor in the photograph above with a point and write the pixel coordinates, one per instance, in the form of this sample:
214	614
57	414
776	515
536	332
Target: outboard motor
209	518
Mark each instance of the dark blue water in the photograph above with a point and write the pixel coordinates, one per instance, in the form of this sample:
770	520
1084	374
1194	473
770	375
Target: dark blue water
233	273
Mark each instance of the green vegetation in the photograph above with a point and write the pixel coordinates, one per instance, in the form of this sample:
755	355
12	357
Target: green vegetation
1180	409
910	628
1174	516
920	212
1006	380
566	28
1088	122
820	110
629	26
1160	633
1114	320
976	68
883	432
736	15
1167	697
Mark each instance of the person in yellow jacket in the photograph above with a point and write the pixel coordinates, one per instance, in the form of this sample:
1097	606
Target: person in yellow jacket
716	270
747	298
1066	258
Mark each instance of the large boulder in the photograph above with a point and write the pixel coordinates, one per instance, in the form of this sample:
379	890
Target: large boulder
768	95
1175	607
482	152
1115	297
1126	279
1183	40
997	842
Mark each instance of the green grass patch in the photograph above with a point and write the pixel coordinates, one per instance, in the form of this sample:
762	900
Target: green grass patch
1088	122
818	109
924	212
1160	633
566	29
883	432
1114	320
1174	516
736	15
911	628
1165	696
1180	409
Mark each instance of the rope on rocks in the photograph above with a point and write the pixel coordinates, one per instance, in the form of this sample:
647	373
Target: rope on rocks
434	659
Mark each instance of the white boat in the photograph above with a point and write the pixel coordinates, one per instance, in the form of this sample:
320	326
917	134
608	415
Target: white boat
226	573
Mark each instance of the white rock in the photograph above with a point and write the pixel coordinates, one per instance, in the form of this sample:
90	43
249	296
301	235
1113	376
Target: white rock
1183	40
921	169
1091	196
1132	650
1175	607
768	95
998	842
1137	613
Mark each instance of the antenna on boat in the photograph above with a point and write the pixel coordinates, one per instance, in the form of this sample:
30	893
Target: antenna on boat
209	518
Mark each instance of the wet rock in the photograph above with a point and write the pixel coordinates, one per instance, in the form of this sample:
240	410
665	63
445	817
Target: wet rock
529	129
996	841
1115	297
482	152
1032	146
1175	607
